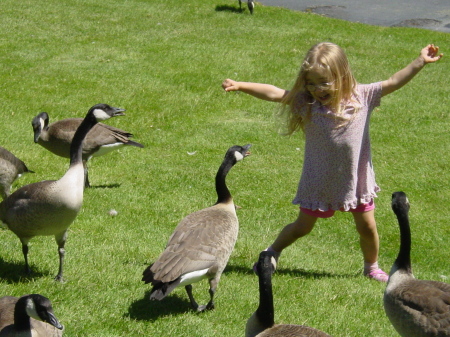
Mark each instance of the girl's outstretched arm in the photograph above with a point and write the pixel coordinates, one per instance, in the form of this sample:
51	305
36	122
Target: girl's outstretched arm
429	54
266	92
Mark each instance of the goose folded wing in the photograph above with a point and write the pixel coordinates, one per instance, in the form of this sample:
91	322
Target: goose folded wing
432	302
64	129
195	245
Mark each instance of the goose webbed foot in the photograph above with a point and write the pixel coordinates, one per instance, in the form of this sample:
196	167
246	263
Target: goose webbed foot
59	278
202	308
28	270
210	305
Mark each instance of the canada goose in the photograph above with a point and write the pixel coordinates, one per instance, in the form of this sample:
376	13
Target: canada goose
201	244
262	323
49	207
250	5
414	307
28	316
11	168
57	137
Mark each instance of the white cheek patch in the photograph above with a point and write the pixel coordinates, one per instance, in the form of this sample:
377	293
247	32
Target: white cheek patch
101	115
238	156
31	310
42	122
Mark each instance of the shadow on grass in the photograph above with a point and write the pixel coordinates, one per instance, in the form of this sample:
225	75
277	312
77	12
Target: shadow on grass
15	272
147	310
301	273
106	186
227	8
235	269
312	274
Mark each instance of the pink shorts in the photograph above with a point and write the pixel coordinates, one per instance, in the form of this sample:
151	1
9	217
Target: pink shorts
328	214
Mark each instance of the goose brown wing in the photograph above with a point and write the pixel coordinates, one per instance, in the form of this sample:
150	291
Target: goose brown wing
64	129
7	304
428	301
201	241
16	162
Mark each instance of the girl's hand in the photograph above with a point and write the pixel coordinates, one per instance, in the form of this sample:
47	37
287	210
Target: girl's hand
431	54
230	85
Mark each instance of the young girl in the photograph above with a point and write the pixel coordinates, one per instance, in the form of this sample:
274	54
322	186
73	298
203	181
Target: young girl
333	111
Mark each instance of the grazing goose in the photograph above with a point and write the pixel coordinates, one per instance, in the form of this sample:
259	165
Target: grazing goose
49	207
11	168
57	137
201	244
414	307
28	316
250	5
262	323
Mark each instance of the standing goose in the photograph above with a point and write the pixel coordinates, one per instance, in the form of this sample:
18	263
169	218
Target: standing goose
28	316
57	138
414	307
11	168
201	244
250	5
49	207
262	323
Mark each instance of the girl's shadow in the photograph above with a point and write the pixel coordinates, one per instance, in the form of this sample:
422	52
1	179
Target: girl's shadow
298	273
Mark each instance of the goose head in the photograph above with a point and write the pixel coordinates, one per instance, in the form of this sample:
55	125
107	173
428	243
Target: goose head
267	263
400	203
40	308
103	111
236	153
39	123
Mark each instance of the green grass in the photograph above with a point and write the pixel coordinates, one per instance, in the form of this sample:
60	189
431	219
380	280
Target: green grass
164	61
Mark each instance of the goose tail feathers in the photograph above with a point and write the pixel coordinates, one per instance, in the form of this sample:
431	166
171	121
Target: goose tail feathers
160	289
133	143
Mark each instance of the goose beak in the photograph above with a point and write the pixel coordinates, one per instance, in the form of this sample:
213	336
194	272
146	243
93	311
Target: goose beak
37	133
53	321
247	152
118	112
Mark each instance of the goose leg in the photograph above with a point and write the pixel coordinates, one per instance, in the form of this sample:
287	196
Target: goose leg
61	240
86	177
240	5
212	290
25	255
194	304
210	304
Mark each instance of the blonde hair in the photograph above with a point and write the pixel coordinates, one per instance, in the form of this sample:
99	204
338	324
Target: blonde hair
331	59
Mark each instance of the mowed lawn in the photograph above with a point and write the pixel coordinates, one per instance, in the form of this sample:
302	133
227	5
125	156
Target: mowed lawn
164	62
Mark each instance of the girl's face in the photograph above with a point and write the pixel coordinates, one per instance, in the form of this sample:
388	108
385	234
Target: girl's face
320	85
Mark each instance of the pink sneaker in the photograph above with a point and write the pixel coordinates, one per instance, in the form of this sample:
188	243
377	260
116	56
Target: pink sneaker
378	275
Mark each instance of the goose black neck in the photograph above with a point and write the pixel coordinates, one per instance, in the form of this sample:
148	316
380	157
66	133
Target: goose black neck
403	260
76	147
223	193
265	311
21	318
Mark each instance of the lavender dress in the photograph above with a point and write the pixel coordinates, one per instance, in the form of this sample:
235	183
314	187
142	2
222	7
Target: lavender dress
337	171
